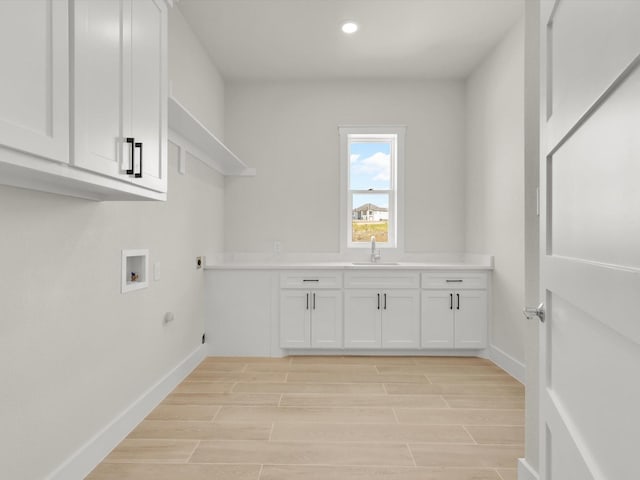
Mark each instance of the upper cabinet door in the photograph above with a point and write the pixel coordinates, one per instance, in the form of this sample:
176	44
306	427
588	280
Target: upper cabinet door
149	90
101	71
120	86
34	85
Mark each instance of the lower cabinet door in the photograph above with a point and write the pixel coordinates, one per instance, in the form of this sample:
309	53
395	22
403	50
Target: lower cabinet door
401	319
295	319
326	319
437	319
471	319
362	319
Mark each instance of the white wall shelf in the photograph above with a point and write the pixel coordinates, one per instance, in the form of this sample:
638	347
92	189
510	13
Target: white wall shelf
191	135
135	270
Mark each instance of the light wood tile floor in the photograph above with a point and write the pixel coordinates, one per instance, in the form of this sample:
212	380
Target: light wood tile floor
330	418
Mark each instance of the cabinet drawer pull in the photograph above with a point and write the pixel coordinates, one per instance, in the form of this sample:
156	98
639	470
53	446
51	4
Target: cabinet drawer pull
458	297
139	174
131	140
451	301
454	281
310	280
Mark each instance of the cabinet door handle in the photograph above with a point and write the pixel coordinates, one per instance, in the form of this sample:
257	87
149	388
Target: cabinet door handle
314	301
378	301
131	140
451	301
307	301
458	305
139	174
385	301
454	281
310	280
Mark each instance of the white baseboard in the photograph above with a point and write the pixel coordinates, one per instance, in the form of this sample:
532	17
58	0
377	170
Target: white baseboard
505	361
525	472
78	465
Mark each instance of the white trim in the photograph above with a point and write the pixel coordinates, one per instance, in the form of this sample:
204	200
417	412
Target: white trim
505	361
525	471
125	284
396	204
85	459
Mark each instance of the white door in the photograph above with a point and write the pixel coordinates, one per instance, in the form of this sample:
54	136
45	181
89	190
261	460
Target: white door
102	72
362	318
470	312
149	91
326	319
590	232
295	319
401	319
34	84
437	319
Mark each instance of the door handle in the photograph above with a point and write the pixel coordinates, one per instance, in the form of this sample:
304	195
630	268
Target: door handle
307	301
532	312
314	301
458	298
385	301
139	174
131	140
378	301
451	301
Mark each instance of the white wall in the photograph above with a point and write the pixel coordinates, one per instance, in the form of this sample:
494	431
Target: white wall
74	351
193	79
495	184
289	132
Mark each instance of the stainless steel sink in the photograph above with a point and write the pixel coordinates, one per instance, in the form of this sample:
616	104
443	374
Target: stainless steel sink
370	264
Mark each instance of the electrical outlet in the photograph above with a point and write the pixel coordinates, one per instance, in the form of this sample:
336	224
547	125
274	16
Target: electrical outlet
198	262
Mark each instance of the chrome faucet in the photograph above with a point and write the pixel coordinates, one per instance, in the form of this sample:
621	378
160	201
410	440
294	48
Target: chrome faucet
375	256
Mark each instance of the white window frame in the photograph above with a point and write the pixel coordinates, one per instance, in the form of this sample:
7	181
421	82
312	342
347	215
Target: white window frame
396	194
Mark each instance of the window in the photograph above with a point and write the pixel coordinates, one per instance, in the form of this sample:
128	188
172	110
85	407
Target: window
371	202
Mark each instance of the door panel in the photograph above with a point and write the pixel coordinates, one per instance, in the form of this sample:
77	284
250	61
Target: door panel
34	85
437	319
590	268
362	319
585	57
401	319
470	325
326	319
101	121
595	197
295	323
149	105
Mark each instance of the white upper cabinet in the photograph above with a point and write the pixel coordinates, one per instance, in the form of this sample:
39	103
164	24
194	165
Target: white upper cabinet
34	85
83	97
120	79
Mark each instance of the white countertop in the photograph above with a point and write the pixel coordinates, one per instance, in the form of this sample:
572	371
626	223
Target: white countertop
319	265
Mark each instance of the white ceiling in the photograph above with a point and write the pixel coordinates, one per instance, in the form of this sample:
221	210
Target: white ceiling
301	39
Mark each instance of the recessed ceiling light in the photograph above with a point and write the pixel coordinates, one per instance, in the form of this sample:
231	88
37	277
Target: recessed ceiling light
349	27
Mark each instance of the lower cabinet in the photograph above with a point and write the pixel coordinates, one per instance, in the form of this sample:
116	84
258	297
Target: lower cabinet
454	318
382	318
383	310
311	309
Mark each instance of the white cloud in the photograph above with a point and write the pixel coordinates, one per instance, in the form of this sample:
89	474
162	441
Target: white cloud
377	166
355	157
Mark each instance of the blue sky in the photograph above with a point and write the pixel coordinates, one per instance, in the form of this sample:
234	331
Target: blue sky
370	168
